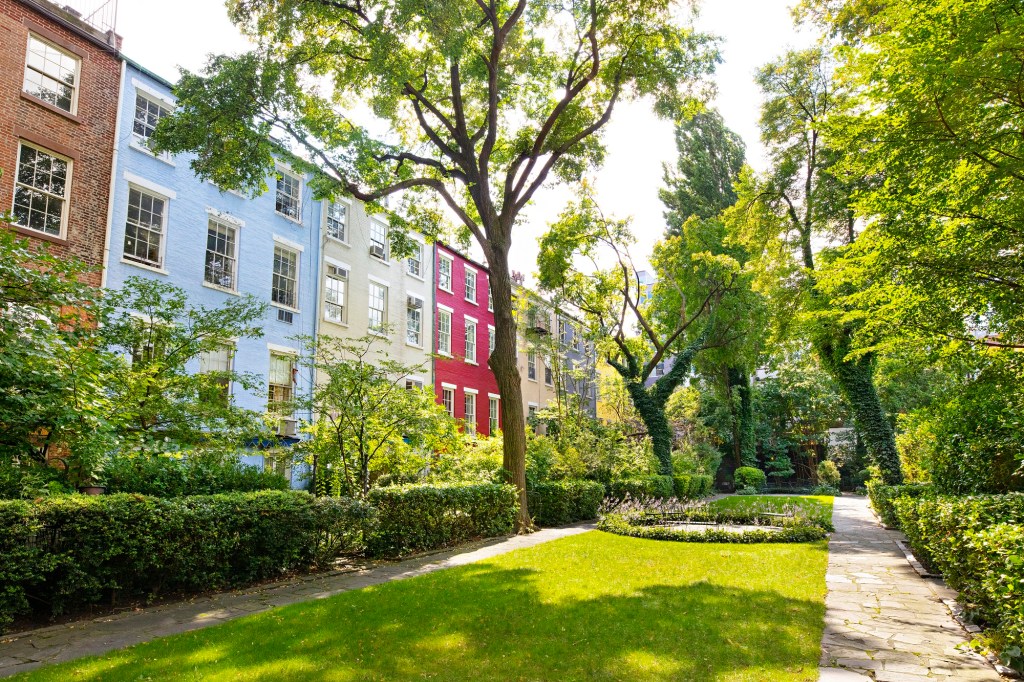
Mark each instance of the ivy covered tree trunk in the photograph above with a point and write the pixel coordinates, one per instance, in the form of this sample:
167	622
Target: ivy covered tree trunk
744	437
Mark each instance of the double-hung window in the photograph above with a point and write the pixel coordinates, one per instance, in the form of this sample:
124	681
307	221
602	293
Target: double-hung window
337	221
490	340
470	341
335	294
469	412
448	400
280	389
444	273
490	297
444	332
378	240
414	263
217	363
144	228
41	188
531	366
221	255
563	332
284	288
289	195
51	74
414	321
471	285
148	113
378	308
548	378
493	421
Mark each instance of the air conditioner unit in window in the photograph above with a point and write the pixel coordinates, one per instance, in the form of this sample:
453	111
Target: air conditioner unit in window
377	251
288	428
413	302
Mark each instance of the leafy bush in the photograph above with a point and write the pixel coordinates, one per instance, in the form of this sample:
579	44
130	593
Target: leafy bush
692	486
73	550
194	474
794	531
977	543
31	481
828	474
746	491
416	518
882	497
556	503
749	477
826	490
642	487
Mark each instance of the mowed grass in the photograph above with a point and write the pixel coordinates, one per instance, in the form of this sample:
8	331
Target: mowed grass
594	606
818	506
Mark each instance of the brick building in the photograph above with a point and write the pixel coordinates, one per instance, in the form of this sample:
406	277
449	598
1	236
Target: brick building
464	339
59	83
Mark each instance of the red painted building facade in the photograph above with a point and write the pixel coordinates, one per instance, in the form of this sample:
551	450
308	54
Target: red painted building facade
463	340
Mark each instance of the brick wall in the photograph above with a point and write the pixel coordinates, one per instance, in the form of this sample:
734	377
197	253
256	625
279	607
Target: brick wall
87	137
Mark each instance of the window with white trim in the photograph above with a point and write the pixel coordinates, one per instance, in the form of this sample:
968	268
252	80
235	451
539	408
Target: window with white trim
289	195
531	366
51	74
444	332
285	284
148	113
378	240
414	263
281	384
217	362
448	400
471	341
469	412
221	255
413	385
444	273
337	221
490	340
378	308
471	285
490	297
144	227
548	378
414	320
563	332
492	423
41	187
336	294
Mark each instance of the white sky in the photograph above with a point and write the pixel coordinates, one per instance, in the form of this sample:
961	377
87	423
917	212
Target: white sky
162	36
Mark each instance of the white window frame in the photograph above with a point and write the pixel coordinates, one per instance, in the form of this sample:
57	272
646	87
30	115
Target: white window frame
418	343
78	72
376	224
380	330
417	260
125	258
493	413
65	200
448	399
292	358
282	173
470	357
490	295
226	224
491	340
347	205
345	280
549	374
471	276
442	259
469	397
295	292
139	141
230	349
531	365
444	338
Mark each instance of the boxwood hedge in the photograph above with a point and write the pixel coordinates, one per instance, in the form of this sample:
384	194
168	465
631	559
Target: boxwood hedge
642	488
556	503
692	486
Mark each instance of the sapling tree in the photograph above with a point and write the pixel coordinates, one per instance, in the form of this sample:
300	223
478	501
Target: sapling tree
482	101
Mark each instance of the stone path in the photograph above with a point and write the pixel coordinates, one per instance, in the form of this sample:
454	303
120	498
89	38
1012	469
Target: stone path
28	650
882	620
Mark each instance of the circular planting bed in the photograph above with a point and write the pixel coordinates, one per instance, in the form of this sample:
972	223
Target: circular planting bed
702	526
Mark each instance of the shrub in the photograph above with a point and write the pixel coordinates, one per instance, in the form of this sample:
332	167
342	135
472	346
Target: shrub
882	497
749	477
416	518
825	490
642	487
556	503
73	550
692	486
795	531
193	474
828	474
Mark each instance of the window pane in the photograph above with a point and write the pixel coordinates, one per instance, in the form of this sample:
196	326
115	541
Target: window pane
284	283
220	255
40	190
337	221
51	74
289	199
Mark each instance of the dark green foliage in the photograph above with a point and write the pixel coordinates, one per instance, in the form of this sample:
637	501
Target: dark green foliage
883	496
195	474
417	518
977	543
692	486
642	488
556	503
69	551
749	477
794	532
828	473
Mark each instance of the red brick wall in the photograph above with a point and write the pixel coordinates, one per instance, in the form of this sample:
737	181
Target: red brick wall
87	138
456	370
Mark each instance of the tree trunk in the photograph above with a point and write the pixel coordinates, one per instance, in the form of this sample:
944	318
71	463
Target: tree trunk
504	365
740	379
652	412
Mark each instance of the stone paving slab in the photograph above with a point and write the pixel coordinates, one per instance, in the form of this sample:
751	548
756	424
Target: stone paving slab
24	651
883	621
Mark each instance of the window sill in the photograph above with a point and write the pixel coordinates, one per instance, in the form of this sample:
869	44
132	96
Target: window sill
469	300
152	268
296	221
385	261
416	277
441	288
285	307
342	242
223	290
529	379
417	346
379	334
444	354
38	234
163	158
336	322
472	362
55	109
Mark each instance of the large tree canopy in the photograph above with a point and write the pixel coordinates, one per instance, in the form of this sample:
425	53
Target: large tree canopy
481	102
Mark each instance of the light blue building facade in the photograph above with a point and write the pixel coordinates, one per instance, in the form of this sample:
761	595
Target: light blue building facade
166	224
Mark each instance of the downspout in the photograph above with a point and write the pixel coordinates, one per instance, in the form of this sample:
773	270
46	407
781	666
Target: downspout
113	177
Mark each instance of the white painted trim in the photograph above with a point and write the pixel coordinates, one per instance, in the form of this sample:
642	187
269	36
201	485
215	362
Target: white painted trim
287	350
442	306
494	395
337	263
532	405
471	268
144	266
284	241
452	387
471	391
225	217
152	93
378	280
467	318
142	182
415	295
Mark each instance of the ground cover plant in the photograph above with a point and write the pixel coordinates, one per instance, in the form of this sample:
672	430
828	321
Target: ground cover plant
590	607
815	506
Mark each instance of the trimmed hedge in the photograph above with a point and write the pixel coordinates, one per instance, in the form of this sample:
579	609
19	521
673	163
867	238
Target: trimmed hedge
642	488
749	477
791	532
415	518
692	486
556	503
65	552
882	497
977	543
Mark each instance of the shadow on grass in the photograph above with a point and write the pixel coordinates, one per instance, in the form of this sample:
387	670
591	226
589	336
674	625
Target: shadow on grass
486	622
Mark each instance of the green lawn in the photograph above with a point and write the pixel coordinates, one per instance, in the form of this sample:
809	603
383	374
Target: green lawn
812	505
594	606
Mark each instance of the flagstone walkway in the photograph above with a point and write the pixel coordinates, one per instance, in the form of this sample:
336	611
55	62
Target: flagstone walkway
883	621
28	650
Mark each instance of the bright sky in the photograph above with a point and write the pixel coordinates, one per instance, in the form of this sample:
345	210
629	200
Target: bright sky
162	35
